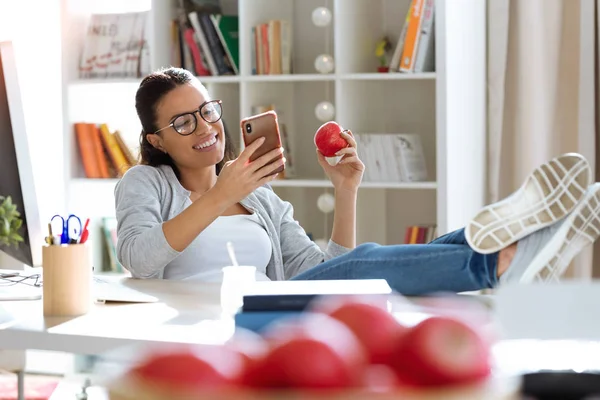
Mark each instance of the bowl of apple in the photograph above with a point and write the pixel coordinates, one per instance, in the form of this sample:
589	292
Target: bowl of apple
351	349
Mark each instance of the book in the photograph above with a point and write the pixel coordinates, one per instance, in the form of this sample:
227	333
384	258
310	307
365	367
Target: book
226	27
411	41
425	58
87	150
395	61
109	232
114	151
115	45
259	321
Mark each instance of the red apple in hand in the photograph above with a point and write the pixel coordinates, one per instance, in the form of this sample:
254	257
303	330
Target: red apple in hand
329	141
441	351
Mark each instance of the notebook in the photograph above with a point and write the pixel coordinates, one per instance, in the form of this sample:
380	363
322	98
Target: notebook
296	295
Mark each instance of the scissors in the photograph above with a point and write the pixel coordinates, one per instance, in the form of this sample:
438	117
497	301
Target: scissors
68	235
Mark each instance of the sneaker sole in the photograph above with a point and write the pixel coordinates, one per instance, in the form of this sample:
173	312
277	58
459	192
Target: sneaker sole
547	195
580	229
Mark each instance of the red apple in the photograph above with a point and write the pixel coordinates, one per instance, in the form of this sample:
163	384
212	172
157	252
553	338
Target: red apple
312	351
253	349
441	351
189	369
329	141
369	319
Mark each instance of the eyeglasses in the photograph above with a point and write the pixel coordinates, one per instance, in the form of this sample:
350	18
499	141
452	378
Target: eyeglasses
185	124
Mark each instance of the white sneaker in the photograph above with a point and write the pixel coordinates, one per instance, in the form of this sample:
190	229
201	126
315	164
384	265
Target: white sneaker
579	229
547	195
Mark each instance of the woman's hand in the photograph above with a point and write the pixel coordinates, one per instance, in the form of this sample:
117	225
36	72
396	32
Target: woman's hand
240	177
347	174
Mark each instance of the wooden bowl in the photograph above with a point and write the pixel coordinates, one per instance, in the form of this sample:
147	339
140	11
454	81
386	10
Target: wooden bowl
496	388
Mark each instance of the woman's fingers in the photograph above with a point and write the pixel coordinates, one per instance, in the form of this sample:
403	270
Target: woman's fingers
270	168
346	134
250	149
267	179
266	158
349	160
349	151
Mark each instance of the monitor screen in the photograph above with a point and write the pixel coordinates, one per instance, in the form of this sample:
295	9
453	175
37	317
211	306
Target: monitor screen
16	180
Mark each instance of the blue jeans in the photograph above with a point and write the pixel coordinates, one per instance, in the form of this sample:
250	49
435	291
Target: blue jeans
447	264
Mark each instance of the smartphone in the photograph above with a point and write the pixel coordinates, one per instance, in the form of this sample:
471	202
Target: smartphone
263	125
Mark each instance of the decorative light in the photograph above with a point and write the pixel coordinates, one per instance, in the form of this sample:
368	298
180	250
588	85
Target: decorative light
325	111
324	63
321	16
326	203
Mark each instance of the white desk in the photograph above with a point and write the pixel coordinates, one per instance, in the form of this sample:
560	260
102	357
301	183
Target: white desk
188	312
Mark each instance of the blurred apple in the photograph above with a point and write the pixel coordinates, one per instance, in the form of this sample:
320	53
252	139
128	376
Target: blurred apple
369	319
253	349
311	351
441	351
192	368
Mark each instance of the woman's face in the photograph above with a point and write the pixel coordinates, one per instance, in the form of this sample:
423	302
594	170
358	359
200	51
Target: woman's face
205	147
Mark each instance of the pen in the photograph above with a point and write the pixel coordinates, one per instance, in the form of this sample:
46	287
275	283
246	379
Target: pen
84	235
49	238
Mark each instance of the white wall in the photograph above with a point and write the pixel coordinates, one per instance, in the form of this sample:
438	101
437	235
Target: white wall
36	38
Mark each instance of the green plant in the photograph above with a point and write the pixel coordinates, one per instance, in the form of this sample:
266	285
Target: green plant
10	222
381	51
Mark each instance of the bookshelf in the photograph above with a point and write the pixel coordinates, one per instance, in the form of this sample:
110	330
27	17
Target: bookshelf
446	107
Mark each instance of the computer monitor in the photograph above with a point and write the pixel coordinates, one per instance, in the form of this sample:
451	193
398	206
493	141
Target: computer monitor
16	174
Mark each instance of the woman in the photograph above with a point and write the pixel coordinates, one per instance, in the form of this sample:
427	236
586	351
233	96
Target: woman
191	195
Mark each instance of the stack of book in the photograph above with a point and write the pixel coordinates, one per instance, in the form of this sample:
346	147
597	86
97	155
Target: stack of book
271	48
415	49
204	41
392	157
420	234
116	46
103	152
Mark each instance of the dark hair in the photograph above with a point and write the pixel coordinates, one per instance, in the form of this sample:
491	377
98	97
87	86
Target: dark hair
151	90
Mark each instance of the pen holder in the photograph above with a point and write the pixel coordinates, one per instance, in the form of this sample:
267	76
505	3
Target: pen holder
67	273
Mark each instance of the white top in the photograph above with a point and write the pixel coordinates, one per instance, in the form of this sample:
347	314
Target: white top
204	258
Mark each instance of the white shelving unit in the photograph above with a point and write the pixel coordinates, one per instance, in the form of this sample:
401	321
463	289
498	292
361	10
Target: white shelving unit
446	107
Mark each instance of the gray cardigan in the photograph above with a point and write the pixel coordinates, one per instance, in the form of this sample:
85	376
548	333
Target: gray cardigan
145	197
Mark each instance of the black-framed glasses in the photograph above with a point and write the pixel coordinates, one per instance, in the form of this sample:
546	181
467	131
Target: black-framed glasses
185	124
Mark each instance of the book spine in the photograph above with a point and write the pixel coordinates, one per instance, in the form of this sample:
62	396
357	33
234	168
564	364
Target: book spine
286	47
216	49
275	47
424	60
266	57
212	66
395	62
99	150
411	42
215	19
253	69
86	150
117	157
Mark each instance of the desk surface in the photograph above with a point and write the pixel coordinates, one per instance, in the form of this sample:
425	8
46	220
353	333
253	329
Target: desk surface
188	312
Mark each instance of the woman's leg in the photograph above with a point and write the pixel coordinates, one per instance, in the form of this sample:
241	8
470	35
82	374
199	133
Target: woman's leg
454	237
413	269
